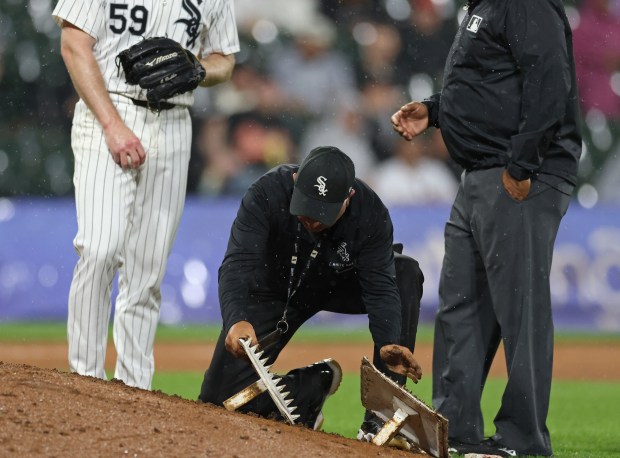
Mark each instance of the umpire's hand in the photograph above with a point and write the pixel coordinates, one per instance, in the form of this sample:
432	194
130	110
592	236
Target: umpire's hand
400	360
410	120
518	190
240	330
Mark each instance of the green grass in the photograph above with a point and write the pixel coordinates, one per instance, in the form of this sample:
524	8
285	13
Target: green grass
56	332
583	419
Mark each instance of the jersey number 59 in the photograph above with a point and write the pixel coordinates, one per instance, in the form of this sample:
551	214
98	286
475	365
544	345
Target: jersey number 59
118	20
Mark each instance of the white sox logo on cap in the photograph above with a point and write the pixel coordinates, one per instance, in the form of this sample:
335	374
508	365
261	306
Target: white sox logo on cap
321	185
325	167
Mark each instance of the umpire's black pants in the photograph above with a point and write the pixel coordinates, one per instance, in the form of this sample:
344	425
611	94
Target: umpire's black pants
495	285
228	375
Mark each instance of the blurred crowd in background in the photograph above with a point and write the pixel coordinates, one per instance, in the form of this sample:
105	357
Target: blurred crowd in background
310	73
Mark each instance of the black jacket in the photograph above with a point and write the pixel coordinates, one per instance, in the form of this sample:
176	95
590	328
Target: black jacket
257	262
509	95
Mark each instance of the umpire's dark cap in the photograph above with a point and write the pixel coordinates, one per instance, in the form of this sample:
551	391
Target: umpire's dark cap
324	180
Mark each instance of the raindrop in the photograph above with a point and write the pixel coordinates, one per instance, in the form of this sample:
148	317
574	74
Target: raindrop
603	139
28	62
445	8
7	210
364	33
264	31
615	83
12	275
196	272
573	16
596	120
399	10
48	275
420	85
171	312
587	196
193	295
4	161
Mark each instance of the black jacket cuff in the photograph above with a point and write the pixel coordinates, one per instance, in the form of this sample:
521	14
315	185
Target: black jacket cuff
518	173
432	104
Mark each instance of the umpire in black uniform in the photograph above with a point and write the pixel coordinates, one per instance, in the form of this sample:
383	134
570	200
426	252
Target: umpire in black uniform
508	112
307	239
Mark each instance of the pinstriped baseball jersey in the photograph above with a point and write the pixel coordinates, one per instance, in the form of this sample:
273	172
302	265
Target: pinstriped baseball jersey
202	26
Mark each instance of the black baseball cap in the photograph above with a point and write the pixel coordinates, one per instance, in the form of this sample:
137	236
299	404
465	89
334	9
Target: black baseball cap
324	181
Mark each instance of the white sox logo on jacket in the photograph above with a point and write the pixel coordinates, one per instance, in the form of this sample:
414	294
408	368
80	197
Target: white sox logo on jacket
342	251
344	264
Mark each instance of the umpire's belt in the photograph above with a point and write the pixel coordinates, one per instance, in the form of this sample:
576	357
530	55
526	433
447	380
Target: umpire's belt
158	107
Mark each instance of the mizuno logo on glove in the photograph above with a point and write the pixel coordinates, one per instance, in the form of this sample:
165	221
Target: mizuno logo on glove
160	59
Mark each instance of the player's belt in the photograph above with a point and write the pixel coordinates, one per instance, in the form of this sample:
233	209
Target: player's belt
161	106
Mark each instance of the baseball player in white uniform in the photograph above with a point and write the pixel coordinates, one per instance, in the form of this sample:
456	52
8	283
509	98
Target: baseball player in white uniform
131	167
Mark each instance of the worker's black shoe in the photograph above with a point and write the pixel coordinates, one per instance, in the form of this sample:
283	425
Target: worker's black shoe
314	384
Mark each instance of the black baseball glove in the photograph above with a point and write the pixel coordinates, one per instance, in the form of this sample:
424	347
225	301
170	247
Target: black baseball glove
161	66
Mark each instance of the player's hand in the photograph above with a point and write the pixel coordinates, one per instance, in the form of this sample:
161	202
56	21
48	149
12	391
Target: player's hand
400	360
125	148
410	120
516	189
240	330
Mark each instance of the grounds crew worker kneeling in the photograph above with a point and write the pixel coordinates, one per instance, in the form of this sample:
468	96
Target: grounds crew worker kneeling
307	239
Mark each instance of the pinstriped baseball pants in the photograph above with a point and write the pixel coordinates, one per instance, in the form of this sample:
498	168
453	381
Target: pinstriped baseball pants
127	222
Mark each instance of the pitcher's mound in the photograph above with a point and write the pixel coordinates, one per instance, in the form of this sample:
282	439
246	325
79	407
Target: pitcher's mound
51	413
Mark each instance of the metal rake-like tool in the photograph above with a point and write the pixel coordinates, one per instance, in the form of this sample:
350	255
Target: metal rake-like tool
267	382
403	414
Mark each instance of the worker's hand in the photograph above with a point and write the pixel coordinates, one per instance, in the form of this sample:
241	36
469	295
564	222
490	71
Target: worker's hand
240	330
410	120
516	189
400	360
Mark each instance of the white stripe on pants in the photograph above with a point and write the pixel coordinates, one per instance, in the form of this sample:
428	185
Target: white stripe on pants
127	222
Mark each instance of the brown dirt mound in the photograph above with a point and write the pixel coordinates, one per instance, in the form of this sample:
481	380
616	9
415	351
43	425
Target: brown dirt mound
572	361
52	413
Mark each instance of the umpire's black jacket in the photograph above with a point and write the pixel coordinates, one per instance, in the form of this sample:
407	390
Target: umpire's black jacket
257	262
509	95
